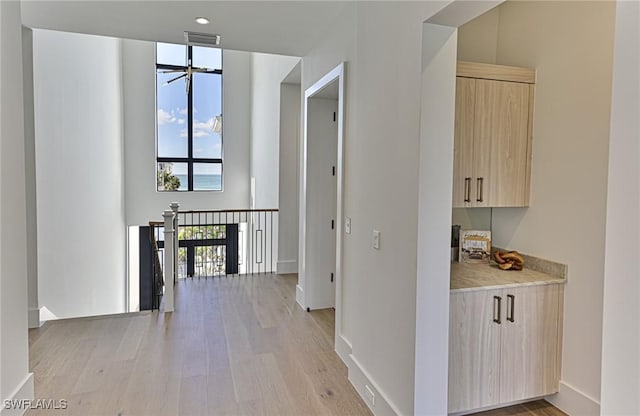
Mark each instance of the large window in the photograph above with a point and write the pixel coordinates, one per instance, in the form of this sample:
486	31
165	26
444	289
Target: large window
189	118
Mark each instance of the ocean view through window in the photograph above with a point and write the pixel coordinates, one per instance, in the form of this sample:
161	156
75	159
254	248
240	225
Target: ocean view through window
188	118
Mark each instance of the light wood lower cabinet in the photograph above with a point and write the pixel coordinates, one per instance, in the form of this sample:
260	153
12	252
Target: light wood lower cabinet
504	345
474	351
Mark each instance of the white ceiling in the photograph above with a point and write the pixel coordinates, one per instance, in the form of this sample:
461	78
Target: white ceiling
281	27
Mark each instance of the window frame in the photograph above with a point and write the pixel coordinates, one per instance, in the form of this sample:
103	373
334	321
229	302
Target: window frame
190	160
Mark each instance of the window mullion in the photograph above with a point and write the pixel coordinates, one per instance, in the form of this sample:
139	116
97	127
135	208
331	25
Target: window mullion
190	122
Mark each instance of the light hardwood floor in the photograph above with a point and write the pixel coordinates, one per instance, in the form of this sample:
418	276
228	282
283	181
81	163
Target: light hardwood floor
537	408
234	346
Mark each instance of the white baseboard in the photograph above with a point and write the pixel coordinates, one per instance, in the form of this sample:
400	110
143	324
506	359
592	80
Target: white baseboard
574	402
300	297
23	394
343	349
46	314
34	318
359	377
287	267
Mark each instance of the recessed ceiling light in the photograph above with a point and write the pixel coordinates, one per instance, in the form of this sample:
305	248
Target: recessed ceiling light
202	20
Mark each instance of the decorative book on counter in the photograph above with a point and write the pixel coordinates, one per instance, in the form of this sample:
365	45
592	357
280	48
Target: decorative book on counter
475	246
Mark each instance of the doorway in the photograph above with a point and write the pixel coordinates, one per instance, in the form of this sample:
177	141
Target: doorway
320	251
322	134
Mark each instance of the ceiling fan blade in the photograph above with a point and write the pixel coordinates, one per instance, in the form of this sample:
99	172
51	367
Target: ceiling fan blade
174	79
170	71
203	70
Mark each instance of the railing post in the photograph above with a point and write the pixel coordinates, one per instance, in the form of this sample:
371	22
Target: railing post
175	206
169	260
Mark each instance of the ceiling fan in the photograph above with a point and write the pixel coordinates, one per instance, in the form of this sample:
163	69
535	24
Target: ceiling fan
197	39
186	74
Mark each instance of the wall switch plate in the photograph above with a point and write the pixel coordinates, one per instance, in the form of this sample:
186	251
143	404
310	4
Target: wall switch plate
376	239
347	225
370	395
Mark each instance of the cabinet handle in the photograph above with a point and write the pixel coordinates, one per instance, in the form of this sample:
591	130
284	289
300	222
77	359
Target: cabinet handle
511	308
467	189
497	309
479	186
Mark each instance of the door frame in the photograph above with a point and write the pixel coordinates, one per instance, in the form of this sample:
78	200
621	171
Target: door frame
336	74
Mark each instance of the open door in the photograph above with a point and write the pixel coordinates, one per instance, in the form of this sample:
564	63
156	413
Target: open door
320	252
322	146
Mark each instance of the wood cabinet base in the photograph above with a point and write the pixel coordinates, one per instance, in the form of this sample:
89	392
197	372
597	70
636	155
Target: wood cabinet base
504	345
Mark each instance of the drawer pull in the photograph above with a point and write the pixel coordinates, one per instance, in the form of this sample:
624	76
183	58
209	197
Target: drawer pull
497	309
511	308
467	189
479	190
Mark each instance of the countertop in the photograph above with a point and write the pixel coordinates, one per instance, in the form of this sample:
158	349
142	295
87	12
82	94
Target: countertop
468	277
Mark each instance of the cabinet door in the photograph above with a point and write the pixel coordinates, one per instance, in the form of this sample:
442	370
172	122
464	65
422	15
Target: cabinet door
501	144
529	365
463	142
474	349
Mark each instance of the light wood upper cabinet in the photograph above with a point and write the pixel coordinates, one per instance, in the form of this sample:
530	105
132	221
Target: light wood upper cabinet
504	345
463	141
492	143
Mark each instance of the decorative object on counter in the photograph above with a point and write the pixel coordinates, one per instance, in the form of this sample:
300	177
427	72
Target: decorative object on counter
508	260
475	246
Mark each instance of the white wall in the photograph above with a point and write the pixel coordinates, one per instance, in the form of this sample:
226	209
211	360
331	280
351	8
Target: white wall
338	46
143	202
621	327
267	72
472	218
79	174
571	46
15	380
288	180
435	194
478	39
30	165
383	99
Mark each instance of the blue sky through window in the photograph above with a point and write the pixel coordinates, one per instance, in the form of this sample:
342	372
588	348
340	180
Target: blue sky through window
172	117
172	108
170	54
